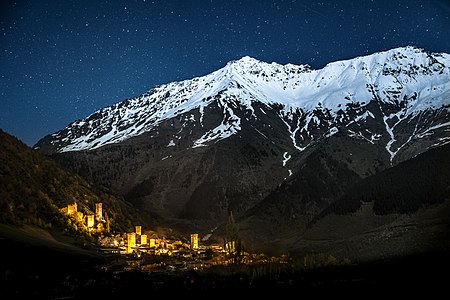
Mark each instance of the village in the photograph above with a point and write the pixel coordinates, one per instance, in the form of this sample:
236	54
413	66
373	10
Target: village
144	250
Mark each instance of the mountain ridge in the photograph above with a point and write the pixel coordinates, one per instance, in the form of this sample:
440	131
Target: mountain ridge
296	88
239	142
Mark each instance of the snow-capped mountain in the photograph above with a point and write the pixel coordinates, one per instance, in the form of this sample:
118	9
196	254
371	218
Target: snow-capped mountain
229	140
405	83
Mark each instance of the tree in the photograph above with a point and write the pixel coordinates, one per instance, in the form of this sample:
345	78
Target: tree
233	242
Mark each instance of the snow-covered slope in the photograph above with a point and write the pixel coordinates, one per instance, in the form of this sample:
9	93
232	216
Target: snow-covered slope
403	82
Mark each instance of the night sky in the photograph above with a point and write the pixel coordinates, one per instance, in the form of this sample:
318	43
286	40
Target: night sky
62	60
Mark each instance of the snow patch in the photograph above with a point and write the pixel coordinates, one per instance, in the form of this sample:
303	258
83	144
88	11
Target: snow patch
427	132
364	116
207	236
230	125
286	157
171	144
332	132
373	136
292	133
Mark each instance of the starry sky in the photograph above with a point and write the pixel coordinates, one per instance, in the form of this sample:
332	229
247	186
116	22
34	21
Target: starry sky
62	60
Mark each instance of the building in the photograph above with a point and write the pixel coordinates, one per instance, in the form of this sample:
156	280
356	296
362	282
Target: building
143	239
131	241
79	216
194	241
100	226
98	211
90	221
72	209
138	230
230	247
152	243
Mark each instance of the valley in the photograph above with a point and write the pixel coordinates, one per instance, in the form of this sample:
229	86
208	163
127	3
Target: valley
255	176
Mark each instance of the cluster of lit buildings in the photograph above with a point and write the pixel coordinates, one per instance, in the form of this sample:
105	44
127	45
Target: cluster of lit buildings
130	242
136	242
90	221
184	255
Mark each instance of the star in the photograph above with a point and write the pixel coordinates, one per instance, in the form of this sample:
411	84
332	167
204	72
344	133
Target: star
99	54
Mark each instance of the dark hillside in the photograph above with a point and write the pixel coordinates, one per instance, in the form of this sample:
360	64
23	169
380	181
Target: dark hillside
33	188
405	188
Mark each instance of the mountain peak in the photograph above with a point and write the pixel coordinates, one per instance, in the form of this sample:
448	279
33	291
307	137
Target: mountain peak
244	62
246	59
408	78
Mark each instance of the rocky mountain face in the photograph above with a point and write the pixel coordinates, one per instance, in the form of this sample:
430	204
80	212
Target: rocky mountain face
258	137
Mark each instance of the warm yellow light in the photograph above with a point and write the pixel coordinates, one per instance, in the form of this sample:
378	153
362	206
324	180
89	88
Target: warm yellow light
143	239
72	209
90	221
98	211
79	216
131	239
138	229
194	241
231	247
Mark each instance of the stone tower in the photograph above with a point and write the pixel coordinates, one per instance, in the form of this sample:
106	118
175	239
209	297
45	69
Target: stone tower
90	221
194	241
72	209
138	230
131	241
98	211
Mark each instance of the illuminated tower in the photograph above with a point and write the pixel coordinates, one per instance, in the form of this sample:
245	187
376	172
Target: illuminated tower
79	216
72	209
138	230
98	211
194	241
143	239
90	221
131	241
230	247
152	243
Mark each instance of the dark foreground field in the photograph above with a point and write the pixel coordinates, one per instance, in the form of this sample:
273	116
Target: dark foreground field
39	272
